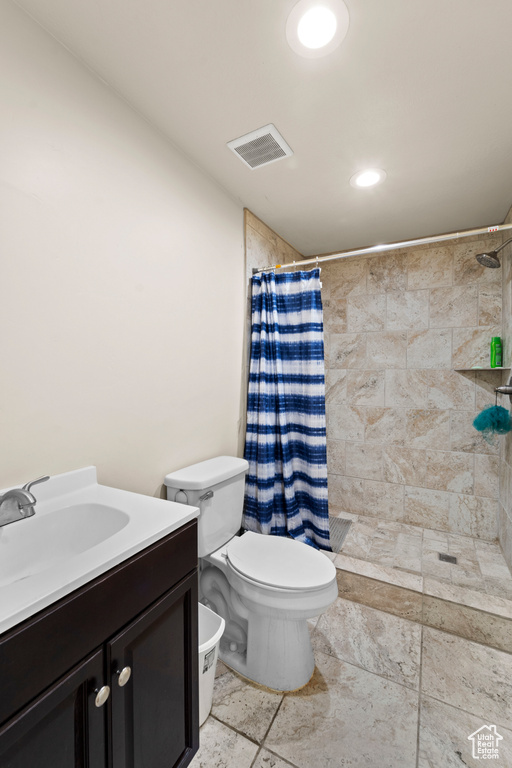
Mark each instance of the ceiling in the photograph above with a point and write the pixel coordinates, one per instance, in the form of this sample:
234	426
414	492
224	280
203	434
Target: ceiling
421	89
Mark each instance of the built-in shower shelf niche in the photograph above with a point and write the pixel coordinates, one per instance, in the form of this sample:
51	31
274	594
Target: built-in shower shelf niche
505	368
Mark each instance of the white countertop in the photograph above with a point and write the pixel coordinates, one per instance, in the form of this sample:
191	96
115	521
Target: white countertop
80	530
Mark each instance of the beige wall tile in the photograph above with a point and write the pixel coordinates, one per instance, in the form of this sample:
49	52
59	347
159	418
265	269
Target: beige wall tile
366	312
345	422
384	500
464	437
347	350
471	346
474	516
345	278
451	390
387	273
364	460
452	307
406	389
365	387
489	304
335	315
450	471
336	452
505	534
335	386
428	428
487	476
404	465
386	350
430	269
347	493
429	349
407	311
385	425
427	508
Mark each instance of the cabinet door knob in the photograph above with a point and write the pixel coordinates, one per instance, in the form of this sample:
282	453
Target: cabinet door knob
123	675
102	695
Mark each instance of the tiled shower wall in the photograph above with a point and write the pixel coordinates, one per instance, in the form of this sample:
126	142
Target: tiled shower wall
263	248
400	438
401	444
505	511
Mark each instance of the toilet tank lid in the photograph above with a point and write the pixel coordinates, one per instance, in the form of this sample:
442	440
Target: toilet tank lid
206	473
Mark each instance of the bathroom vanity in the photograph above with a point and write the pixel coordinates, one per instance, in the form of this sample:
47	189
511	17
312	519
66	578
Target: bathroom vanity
106	675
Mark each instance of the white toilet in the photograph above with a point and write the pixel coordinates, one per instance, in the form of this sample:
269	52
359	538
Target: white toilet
264	587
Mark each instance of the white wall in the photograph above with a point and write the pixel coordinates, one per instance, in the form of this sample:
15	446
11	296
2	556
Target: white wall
121	281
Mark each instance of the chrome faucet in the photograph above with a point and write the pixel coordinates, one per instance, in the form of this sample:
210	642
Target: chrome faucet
19	503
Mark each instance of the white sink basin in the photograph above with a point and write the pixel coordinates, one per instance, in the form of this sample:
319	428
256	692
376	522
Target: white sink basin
30	546
80	530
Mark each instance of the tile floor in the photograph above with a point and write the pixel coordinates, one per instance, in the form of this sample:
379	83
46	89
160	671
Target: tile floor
386	692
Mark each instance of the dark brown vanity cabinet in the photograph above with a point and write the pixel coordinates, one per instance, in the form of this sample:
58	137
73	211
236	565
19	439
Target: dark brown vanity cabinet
134	629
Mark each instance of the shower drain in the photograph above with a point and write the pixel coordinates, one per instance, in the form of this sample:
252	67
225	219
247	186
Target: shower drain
447	558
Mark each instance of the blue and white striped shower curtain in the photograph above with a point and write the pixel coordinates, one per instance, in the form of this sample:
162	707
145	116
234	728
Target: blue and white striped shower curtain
286	484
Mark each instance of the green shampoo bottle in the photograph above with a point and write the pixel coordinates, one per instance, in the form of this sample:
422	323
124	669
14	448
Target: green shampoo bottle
496	352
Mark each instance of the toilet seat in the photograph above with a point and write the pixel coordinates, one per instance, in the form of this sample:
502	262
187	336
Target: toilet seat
279	562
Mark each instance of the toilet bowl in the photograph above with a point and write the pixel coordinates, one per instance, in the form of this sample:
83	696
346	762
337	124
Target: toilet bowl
264	587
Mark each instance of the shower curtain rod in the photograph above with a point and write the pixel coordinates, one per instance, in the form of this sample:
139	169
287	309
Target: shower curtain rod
386	247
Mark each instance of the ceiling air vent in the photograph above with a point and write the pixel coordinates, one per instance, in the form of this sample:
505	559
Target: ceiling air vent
261	147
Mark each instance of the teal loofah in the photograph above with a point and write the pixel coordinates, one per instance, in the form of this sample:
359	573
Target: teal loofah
493	420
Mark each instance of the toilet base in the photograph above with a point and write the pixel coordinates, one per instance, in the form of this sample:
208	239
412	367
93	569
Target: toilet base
279	654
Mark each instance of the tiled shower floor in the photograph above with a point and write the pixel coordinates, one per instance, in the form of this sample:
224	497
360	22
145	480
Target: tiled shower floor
411	659
408	556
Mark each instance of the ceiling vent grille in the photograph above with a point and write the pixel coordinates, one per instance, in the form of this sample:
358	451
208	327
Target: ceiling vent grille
261	147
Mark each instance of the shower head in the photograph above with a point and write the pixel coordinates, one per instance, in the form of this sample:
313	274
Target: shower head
491	259
488	259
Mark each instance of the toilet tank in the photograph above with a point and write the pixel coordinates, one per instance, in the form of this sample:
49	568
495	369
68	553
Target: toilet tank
216	486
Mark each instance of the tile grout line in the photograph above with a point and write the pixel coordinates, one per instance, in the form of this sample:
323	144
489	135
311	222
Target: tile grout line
262	745
419	698
235	730
460	709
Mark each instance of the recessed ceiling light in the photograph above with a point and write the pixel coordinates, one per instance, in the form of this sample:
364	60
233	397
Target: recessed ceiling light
316	27
368	178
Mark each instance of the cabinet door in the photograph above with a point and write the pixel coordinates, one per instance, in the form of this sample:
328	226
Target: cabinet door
155	713
62	728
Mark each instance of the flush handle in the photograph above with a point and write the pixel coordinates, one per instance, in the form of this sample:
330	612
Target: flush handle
207	495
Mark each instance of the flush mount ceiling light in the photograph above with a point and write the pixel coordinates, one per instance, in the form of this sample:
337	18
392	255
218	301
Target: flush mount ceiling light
368	178
316	27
